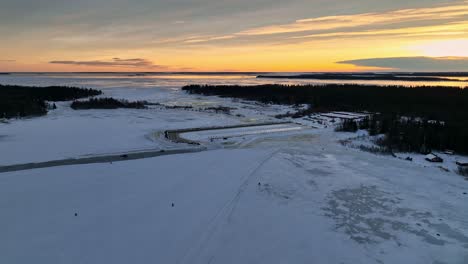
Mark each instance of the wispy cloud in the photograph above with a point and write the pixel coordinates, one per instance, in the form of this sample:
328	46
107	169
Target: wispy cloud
366	19
438	21
207	39
456	28
413	63
115	62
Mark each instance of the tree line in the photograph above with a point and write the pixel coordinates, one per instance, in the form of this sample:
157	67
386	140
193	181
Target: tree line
412	118
411	134
106	103
22	101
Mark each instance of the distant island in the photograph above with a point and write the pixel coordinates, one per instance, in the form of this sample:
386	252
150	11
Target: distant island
411	77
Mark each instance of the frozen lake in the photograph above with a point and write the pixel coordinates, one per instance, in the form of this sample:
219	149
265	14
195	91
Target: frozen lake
174	81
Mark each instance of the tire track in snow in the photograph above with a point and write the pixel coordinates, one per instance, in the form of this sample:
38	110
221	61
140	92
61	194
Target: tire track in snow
226	211
244	185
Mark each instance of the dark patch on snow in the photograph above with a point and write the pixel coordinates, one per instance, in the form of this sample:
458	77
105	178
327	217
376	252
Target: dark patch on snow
319	172
369	215
276	192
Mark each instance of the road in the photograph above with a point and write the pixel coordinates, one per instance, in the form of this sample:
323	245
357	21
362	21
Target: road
172	135
98	159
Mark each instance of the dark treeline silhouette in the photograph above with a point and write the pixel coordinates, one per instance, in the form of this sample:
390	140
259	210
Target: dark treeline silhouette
444	74
423	136
446	103
405	112
363	76
21	101
412	134
106	103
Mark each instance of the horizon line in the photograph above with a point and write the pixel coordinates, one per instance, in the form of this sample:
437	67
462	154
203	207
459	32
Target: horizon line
219	72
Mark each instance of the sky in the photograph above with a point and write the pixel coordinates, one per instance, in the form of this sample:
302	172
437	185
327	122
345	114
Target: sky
227	35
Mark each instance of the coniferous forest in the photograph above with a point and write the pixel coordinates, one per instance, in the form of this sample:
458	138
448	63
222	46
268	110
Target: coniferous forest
22	101
106	103
415	119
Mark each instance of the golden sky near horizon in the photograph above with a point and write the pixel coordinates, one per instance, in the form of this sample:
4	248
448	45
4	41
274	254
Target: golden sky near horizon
255	35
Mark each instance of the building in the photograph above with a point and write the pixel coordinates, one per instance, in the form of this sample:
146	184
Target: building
433	158
449	152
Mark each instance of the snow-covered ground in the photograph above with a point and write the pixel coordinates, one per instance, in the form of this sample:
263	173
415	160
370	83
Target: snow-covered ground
66	133
317	202
362	140
292	195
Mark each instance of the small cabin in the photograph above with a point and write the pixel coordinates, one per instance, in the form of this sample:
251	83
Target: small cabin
449	152
462	163
433	158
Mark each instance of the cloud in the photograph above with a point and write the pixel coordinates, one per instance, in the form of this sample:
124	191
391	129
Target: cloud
414	63
456	28
437	21
7	60
207	39
115	62
452	12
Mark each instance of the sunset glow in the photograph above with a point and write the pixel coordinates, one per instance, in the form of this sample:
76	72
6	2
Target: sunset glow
301	36
443	48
